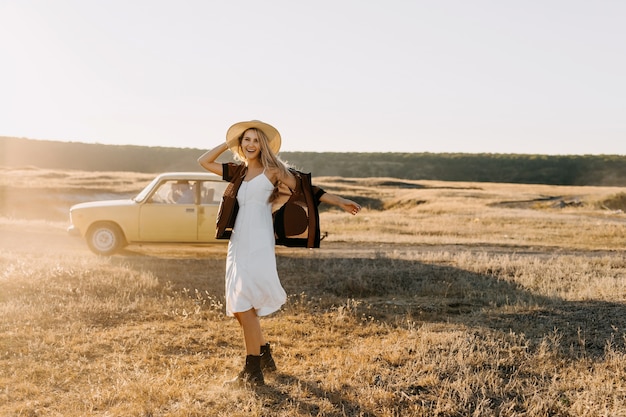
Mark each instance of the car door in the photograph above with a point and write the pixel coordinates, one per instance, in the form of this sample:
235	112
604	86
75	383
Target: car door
164	217
210	197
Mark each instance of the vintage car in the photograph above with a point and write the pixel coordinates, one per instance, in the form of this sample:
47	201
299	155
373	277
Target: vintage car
177	207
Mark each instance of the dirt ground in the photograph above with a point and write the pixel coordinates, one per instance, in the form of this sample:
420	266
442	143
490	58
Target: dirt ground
28	237
40	237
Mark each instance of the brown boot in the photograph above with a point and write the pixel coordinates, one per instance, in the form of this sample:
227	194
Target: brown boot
251	373
267	362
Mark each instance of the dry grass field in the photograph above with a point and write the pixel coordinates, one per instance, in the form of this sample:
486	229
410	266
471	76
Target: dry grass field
438	299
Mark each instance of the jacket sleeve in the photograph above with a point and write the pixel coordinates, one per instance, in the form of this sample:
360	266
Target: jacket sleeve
227	212
228	171
317	194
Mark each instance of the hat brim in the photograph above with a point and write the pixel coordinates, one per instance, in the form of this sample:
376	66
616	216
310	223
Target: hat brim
233	133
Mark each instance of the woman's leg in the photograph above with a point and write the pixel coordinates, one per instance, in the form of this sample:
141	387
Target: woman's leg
251	327
252	333
253	337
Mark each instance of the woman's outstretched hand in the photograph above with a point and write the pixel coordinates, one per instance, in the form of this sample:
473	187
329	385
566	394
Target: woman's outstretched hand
346	205
350	206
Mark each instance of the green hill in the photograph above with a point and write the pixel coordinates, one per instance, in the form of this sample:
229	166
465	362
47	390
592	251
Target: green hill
608	170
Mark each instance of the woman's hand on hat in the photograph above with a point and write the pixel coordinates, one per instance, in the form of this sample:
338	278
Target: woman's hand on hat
232	143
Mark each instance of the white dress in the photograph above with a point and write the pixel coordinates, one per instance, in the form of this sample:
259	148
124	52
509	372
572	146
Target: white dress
251	277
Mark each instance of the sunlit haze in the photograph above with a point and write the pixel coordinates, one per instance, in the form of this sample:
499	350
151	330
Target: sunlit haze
538	77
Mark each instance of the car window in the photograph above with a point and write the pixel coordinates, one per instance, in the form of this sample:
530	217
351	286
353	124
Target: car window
162	193
185	191
144	193
182	192
211	192
174	192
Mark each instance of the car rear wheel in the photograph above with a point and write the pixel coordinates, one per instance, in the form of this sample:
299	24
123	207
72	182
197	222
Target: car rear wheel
105	238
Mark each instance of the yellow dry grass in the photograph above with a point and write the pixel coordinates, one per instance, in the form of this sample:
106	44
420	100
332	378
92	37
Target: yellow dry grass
442	299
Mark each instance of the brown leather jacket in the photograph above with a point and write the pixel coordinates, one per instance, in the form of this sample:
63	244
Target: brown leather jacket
294	212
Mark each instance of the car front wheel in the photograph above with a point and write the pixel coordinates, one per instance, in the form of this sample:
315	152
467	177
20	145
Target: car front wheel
105	238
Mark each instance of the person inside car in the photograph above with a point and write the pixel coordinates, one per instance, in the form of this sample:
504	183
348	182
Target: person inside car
182	192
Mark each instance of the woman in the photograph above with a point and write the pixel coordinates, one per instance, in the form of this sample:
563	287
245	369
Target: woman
253	288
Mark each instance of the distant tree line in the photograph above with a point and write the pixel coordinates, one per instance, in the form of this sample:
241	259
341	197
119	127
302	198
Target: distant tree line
484	167
608	170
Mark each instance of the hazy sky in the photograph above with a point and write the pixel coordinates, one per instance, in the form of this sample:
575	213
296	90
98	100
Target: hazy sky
501	76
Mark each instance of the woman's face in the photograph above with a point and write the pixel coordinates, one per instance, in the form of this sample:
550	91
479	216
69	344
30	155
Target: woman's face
250	144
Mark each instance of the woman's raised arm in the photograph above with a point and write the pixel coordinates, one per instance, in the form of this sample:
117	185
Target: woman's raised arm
207	160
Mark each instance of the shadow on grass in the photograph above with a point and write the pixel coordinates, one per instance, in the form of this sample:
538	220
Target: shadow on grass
392	290
275	397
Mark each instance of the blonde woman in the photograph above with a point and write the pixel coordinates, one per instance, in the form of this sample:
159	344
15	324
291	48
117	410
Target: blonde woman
253	288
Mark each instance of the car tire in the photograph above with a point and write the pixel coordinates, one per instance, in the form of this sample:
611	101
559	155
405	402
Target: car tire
105	238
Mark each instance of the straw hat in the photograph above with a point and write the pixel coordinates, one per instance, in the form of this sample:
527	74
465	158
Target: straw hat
233	133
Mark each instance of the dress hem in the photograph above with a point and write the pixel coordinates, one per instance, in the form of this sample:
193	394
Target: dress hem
261	312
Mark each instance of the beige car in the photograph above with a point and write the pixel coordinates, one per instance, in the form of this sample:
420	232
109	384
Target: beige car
175	207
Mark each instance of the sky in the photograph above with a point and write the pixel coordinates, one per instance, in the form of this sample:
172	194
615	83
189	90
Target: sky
470	76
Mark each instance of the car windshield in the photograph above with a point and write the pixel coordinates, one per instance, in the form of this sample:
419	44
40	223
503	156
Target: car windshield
144	193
